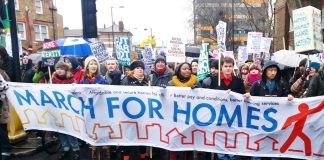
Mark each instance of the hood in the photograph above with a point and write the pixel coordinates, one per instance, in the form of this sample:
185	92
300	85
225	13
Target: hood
75	63
267	65
29	65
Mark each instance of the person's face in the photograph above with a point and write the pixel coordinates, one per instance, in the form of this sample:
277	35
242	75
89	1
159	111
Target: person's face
302	68
244	71
35	68
312	71
111	65
254	71
25	60
271	72
92	67
194	67
68	62
160	65
258	62
213	70
185	71
60	71
138	71
227	68
126	70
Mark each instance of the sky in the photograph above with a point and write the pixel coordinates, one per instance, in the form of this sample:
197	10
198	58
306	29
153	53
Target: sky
166	17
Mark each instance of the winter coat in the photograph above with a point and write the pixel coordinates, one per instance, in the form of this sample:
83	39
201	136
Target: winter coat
236	84
98	80
299	88
161	80
28	78
259	88
131	81
316	86
25	68
78	72
114	77
4	108
7	65
39	77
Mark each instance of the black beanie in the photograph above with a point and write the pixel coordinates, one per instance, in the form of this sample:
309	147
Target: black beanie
303	62
160	58
214	63
136	64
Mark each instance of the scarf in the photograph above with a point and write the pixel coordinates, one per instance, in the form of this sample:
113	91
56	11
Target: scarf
139	78
62	79
160	71
253	78
90	78
189	83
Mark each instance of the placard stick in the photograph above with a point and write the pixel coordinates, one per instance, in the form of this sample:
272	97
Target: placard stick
50	74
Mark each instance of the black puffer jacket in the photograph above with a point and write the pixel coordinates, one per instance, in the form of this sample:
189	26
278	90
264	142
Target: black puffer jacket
161	80
114	77
131	81
27	72
259	88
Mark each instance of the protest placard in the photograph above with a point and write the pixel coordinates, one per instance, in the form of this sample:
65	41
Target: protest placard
307	26
221	35
148	54
203	64
265	44
174	118
254	42
242	54
50	53
123	50
175	50
99	51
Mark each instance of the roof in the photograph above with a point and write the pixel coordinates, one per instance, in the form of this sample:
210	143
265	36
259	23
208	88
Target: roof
79	32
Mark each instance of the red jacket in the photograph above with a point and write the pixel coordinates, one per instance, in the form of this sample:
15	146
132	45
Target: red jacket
78	75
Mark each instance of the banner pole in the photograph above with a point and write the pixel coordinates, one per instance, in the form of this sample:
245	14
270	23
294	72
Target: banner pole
219	68
50	74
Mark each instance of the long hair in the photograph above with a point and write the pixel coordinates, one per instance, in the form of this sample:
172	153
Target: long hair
3	53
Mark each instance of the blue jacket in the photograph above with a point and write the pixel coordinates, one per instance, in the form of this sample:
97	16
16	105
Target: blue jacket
99	80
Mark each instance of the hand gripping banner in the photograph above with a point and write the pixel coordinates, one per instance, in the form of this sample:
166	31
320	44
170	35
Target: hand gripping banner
173	118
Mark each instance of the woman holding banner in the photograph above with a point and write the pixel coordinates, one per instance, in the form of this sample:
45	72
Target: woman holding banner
183	77
62	75
136	77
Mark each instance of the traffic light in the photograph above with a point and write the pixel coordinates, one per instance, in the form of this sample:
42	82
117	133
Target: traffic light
89	18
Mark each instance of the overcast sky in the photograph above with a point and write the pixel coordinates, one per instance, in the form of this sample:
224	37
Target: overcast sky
166	17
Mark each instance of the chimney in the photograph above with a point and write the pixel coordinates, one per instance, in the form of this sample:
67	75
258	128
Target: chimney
121	26
104	26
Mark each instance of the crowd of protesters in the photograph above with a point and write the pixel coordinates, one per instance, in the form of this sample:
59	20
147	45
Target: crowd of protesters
254	78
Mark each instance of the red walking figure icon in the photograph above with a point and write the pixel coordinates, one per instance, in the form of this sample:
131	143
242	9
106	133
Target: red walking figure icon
297	131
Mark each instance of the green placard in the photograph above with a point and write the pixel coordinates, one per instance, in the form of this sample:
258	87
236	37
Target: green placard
51	57
123	50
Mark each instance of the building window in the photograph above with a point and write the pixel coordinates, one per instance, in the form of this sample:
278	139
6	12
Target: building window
21	30
41	32
17	5
39	6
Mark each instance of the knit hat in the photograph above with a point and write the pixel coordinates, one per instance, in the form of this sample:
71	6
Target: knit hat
160	58
214	64
62	65
87	61
255	66
245	65
261	60
136	64
75	63
315	65
303	62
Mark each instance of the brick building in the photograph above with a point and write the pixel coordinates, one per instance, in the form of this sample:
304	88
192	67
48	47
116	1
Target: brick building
284	34
37	20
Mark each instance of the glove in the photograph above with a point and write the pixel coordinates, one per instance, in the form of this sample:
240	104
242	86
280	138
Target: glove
194	86
163	85
306	73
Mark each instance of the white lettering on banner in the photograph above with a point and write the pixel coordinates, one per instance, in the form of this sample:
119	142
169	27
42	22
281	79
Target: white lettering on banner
123	50
175	118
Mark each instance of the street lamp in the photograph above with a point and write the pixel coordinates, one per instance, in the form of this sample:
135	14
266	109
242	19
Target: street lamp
112	24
